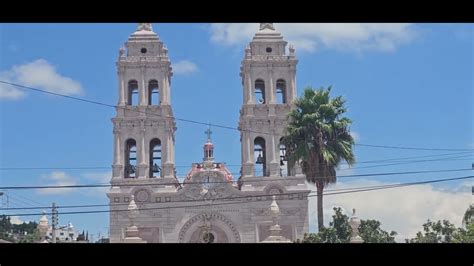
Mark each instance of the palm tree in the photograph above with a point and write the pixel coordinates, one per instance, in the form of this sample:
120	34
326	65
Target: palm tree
318	137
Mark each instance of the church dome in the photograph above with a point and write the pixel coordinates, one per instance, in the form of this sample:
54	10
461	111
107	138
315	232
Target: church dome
201	167
43	221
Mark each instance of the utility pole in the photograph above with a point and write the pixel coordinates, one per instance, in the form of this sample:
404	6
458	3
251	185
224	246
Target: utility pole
54	221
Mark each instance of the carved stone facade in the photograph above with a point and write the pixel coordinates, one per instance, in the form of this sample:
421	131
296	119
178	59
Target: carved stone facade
209	206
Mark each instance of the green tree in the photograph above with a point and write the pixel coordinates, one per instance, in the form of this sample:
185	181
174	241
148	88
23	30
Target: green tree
464	235
339	231
468	215
81	237
318	137
371	232
29	227
5	228
32	237
443	232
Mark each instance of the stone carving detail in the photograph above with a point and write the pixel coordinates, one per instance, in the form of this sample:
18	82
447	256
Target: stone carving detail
260	212
266	211
142	195
209	217
196	191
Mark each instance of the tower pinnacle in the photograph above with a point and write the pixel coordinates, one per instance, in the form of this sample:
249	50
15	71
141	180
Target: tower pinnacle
144	26
208	147
266	26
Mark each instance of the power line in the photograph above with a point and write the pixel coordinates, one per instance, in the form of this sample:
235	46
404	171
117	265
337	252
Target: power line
266	197
410	148
408	162
23	197
214	182
208	124
232	165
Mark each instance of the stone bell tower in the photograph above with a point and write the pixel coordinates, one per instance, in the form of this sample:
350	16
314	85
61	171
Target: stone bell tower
268	75
144	127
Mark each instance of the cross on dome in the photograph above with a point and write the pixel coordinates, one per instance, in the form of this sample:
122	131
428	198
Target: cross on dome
208	133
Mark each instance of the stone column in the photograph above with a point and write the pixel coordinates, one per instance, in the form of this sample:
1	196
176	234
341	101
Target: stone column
142	167
165	86
168	166
122	87
293	84
250	95
247	151
269	94
143	87
273	164
117	166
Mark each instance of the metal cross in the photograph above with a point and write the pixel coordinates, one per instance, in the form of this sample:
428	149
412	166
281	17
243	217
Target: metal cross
208	132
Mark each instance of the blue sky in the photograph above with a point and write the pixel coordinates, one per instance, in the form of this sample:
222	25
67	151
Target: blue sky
405	85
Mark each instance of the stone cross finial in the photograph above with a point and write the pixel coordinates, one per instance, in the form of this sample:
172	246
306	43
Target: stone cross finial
144	26
274	210
275	230
266	26
291	49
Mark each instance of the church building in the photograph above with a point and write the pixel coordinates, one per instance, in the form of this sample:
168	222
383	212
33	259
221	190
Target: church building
210	205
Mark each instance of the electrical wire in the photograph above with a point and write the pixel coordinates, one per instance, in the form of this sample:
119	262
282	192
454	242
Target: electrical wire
265	198
210	124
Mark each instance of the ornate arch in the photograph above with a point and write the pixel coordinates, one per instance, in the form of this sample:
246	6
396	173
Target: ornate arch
214	216
270	188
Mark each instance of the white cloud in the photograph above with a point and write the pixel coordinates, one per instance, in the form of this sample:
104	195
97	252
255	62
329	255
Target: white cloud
184	67
15	220
58	178
37	74
98	178
309	37
8	92
403	210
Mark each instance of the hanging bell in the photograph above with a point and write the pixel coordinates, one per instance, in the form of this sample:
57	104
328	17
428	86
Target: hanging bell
259	159
282	163
156	168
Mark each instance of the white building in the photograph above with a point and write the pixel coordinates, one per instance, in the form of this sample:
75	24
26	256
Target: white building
210	206
65	233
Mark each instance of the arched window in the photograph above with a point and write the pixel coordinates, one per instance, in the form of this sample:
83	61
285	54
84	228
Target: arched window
153	93
155	158
131	159
259	91
132	97
259	152
281	91
284	170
